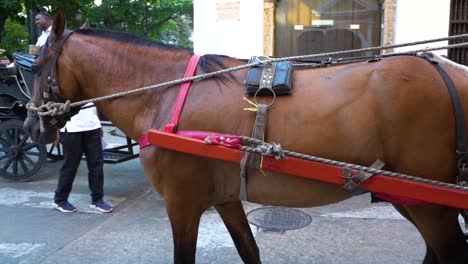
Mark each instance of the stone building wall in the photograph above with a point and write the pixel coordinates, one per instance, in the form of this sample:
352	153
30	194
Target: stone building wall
268	27
388	31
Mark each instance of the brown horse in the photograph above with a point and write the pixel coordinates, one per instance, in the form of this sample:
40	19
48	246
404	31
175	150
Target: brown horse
397	110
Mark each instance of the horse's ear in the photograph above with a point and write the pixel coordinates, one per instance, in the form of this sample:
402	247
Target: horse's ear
85	25
58	26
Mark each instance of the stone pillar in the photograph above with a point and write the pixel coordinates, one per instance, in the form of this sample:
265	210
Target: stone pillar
268	27
388	32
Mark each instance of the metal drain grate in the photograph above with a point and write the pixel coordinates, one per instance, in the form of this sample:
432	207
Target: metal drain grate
278	219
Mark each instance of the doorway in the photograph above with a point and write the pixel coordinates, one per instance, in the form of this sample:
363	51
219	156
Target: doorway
458	25
317	26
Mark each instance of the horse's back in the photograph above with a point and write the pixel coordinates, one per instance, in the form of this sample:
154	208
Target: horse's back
364	111
397	110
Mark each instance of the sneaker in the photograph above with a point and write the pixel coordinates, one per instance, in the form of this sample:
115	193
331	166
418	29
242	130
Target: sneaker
65	207
101	206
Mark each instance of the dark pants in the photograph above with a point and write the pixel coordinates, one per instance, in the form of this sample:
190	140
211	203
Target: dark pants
74	145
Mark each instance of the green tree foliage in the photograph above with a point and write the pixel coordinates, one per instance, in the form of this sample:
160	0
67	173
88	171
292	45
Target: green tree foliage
8	8
16	37
168	21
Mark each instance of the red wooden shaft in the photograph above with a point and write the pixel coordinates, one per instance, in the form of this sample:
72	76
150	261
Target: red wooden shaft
315	171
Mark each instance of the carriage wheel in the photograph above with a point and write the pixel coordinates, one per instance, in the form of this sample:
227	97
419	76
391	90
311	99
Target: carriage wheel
20	158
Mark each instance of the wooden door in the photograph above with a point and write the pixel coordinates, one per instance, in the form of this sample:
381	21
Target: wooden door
458	25
317	26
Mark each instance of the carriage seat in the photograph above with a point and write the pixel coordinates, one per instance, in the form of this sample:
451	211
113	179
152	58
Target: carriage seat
24	60
6	72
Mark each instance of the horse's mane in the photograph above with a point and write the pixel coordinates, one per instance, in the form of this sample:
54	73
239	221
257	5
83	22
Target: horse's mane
211	63
125	38
208	63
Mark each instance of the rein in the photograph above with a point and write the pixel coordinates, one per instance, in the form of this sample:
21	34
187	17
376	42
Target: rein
53	85
52	89
49	107
57	108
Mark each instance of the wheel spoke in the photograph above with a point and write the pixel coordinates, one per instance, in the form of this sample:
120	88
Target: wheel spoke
24	139
31	153
24	167
7	164
15	167
16	135
29	160
8	138
28	146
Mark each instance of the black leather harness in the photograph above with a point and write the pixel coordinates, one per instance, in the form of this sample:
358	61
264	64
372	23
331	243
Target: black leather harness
460	128
462	149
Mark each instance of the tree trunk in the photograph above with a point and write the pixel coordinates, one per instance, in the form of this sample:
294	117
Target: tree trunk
2	26
30	21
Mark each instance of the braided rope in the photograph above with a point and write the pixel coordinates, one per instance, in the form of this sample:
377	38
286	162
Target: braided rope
249	65
279	154
50	108
55	108
261	62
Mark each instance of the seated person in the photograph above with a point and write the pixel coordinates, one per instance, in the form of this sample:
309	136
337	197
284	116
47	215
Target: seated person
6	63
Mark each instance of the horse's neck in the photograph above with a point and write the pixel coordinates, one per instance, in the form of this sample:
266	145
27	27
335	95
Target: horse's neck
135	114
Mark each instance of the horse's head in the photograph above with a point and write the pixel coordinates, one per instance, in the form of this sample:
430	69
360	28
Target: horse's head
42	127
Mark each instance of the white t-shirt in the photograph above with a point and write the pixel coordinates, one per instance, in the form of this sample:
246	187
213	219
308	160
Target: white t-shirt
41	40
86	119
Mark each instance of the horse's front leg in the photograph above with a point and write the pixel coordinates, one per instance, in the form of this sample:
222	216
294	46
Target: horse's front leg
234	218
185	218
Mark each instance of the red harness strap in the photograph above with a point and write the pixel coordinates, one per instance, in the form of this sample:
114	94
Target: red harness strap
180	102
230	141
183	92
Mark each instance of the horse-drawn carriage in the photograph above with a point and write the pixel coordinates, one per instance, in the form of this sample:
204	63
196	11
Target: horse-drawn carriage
20	158
405	110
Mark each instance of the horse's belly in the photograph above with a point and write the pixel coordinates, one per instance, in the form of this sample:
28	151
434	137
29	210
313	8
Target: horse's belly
287	190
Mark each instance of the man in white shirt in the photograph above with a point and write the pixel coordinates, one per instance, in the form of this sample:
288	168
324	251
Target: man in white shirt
43	21
82	134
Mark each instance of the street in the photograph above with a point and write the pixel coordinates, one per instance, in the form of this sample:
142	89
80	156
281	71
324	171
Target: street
138	231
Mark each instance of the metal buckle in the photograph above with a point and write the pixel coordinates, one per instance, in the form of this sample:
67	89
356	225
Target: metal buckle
328	61
462	178
375	58
352	182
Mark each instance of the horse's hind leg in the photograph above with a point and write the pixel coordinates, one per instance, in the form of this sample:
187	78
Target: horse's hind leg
442	233
235	220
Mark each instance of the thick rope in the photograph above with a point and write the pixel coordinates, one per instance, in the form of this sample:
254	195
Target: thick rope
53	108
265	148
249	65
50	108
